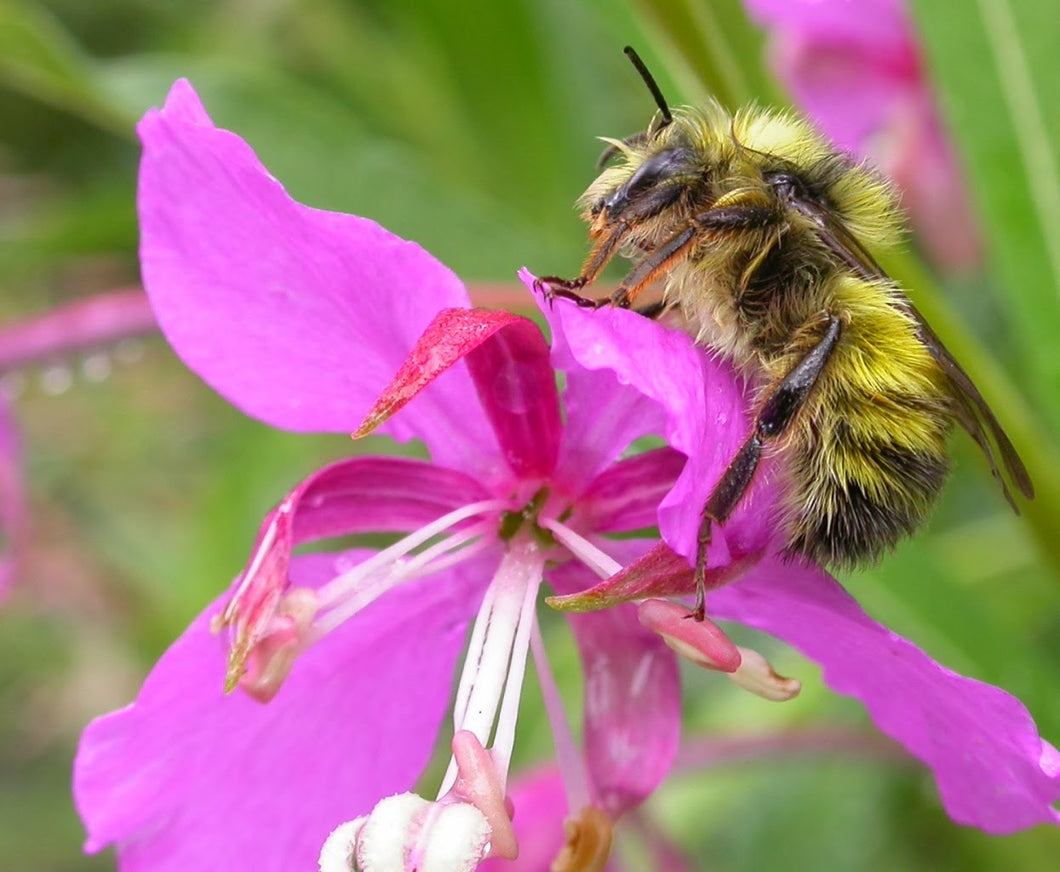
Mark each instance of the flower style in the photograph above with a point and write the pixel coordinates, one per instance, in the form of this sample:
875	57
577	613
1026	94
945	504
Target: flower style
302	318
855	68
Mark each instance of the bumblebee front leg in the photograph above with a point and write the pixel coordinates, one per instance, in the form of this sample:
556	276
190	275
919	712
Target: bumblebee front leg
778	411
719	221
599	257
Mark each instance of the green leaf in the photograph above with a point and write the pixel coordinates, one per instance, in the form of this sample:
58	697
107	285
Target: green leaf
712	48
996	64
40	59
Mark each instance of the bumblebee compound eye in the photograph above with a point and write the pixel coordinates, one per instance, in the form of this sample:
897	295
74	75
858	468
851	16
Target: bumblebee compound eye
647	191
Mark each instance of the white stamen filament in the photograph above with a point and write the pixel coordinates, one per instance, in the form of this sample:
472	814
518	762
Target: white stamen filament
337	588
491	683
504	735
598	561
571	764
441	555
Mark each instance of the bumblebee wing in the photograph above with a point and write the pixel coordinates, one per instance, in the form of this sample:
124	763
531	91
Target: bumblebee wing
971	411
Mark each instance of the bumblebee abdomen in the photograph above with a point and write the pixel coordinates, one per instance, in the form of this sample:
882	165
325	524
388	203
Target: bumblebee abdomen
869	458
847	506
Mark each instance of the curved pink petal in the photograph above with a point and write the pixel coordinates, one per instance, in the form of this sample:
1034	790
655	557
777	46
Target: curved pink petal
632	695
992	768
186	778
626	495
297	316
517	385
702	409
376	495
359	495
509	363
603	417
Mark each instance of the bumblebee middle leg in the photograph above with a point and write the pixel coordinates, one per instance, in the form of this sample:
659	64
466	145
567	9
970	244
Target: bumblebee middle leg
776	414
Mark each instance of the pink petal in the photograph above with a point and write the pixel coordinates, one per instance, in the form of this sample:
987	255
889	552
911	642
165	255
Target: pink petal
296	315
866	22
509	363
992	768
360	495
632	695
517	386
626	495
604	416
185	778
661	572
376	495
701	407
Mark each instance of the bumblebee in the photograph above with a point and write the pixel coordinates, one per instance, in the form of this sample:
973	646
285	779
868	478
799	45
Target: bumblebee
762	233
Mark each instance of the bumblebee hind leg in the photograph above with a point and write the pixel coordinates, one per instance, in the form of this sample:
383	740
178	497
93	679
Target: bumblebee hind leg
776	414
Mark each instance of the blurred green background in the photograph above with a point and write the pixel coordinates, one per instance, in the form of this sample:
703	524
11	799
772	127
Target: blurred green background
470	128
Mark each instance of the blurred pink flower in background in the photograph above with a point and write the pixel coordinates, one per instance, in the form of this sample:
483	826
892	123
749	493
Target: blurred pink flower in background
854	66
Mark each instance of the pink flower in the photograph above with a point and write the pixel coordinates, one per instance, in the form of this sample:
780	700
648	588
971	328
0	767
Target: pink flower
855	68
302	318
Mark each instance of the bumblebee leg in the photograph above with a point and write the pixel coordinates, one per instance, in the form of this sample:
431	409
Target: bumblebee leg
723	219
643	273
599	257
773	419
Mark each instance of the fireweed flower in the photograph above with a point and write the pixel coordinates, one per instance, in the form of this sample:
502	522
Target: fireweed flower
302	318
855	68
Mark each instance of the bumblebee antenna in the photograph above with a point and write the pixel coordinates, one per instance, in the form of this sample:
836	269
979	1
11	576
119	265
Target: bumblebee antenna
649	80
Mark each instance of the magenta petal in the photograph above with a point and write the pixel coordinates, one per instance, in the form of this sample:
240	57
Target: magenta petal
378	494
185	778
992	768
509	363
296	315
626	495
702	411
632	696
604	416
360	495
517	386
632	706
